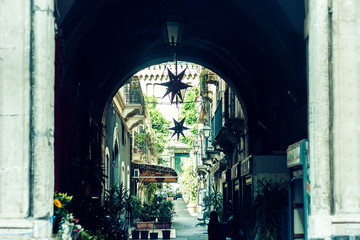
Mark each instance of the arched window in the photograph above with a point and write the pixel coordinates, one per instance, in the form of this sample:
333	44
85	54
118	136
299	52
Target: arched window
123	174
116	165
107	168
128	177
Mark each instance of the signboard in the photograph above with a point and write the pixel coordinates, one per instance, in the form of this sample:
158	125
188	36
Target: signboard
245	167
248	180
234	171
236	185
296	153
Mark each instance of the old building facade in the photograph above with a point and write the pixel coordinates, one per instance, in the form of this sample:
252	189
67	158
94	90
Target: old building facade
294	65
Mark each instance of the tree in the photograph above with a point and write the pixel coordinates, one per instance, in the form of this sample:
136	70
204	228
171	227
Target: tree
160	125
160	128
189	181
189	112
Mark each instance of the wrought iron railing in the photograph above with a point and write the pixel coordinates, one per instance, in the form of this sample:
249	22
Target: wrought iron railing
217	120
133	94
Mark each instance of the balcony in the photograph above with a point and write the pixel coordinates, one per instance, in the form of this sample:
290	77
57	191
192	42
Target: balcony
228	135
217	120
134	110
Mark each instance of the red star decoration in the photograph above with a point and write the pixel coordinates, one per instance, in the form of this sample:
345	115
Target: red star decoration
174	86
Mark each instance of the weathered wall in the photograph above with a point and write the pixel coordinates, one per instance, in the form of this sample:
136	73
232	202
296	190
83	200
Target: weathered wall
116	134
26	118
334	114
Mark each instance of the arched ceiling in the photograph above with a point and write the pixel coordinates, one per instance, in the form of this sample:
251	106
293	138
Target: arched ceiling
257	46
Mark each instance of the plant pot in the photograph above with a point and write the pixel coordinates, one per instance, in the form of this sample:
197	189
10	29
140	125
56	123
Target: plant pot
163	225
192	207
144	234
166	234
145	225
135	234
153	235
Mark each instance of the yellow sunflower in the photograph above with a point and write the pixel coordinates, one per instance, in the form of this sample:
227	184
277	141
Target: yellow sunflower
57	203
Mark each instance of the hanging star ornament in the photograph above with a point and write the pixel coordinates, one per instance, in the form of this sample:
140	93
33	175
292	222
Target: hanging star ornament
178	128
175	85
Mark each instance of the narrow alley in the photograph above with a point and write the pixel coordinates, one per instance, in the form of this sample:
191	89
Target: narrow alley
186	225
110	109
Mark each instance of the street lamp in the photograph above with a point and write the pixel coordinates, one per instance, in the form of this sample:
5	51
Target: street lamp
172	32
196	150
206	130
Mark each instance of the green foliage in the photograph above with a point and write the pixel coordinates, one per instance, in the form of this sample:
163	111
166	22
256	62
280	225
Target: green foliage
189	112
144	141
160	130
133	206
190	182
203	79
161	161
159	208
214	202
61	200
147	213
268	208
188	109
150	209
159	124
107	221
113	223
90	235
89	171
151	189
166	211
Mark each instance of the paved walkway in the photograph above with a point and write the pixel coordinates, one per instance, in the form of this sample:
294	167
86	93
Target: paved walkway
186	225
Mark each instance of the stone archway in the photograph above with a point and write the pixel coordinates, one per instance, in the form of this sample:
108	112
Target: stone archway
256	31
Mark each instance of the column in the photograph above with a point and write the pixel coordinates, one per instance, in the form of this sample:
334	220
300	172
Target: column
26	118
319	222
334	116
346	116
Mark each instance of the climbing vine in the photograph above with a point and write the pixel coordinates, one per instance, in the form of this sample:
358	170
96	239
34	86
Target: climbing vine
189	112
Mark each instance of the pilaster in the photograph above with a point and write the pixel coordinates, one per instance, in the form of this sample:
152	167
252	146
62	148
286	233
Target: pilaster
26	118
334	116
319	223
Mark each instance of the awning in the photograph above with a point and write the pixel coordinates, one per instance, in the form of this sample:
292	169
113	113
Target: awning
155	173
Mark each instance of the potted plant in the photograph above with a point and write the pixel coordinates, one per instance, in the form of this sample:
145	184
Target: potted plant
214	202
146	217
166	215
144	234
153	235
113	222
166	234
133	208
270	204
61	213
135	234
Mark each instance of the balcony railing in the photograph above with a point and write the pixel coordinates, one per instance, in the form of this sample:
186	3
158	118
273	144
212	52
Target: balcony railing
133	94
217	120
